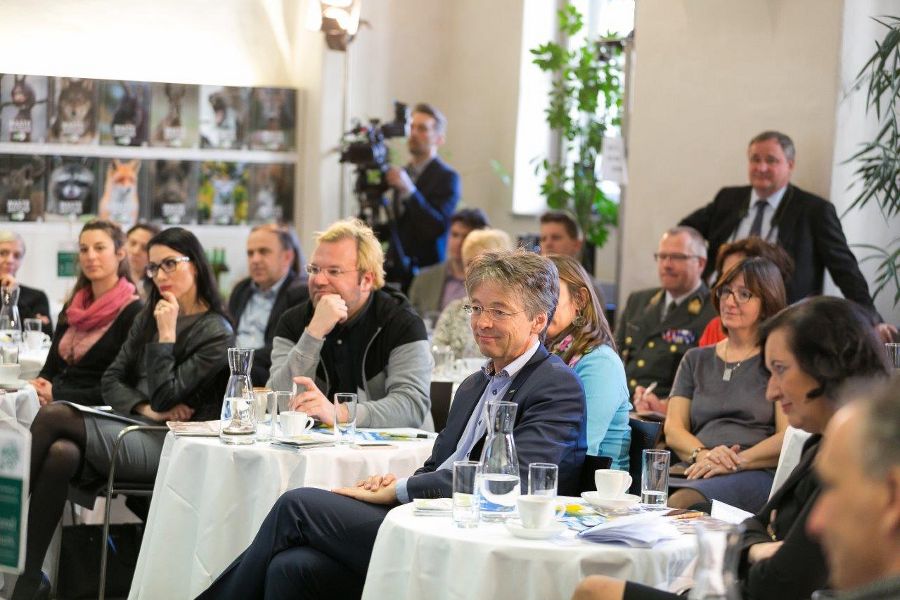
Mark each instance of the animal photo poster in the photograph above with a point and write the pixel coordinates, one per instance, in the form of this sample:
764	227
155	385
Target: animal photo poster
174	189
223	116
73	111
21	187
272	118
223	195
271	193
124	113
72	187
23	108
173	115
123	188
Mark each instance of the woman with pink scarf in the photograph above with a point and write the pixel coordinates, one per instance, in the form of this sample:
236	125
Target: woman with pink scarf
95	321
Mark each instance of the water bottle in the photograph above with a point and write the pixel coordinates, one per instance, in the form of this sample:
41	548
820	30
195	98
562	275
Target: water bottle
238	423
500	482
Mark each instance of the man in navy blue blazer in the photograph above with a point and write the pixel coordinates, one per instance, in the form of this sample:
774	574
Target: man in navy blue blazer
427	191
316	544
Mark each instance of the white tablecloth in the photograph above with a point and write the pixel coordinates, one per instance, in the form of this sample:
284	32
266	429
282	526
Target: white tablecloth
427	557
210	499
22	404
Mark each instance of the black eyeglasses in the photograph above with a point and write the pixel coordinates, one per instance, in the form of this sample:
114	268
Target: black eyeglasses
167	265
741	295
495	314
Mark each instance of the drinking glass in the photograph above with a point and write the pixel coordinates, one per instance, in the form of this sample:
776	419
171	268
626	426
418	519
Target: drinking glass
266	409
893	354
283	404
345	431
443	360
466	503
655	478
542	478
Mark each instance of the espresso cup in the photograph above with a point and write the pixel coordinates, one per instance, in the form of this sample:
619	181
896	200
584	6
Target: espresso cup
9	373
611	483
294	422
536	512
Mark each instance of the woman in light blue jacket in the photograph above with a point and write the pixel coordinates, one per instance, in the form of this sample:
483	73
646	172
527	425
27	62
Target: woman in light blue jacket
580	335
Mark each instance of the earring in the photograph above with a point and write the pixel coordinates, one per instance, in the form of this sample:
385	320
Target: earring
579	320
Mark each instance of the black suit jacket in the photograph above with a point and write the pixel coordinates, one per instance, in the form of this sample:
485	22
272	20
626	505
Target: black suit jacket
292	292
549	426
34	302
425	220
808	229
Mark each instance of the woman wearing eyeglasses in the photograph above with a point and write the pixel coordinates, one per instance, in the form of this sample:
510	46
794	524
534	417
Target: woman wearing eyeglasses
169	369
94	322
719	422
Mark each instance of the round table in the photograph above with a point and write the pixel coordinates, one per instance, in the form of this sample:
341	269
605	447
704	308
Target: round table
209	500
428	557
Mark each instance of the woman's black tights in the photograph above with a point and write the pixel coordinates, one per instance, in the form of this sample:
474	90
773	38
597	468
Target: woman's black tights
57	449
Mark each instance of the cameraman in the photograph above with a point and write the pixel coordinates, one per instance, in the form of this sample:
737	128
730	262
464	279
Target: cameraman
426	193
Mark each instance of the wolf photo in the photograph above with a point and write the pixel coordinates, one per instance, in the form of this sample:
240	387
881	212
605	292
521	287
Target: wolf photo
173	115
272	118
223	195
73	111
123	188
124	113
23	108
223	116
21	187
72	187
174	185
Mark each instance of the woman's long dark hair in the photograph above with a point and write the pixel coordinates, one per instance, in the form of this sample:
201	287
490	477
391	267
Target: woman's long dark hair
183	241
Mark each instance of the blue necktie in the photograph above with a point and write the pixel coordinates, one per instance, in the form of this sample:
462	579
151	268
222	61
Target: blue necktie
756	227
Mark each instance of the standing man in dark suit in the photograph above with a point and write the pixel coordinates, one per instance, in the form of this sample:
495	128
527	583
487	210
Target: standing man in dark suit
805	225
659	325
32	303
426	193
274	285
317	544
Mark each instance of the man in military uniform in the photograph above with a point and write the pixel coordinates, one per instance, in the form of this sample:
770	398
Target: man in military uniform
660	324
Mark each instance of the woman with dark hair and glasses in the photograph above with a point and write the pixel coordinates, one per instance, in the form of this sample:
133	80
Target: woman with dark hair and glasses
719	422
94	322
810	350
169	369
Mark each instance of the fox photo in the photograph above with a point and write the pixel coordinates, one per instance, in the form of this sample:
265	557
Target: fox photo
124	113
72	187
223	196
23	108
73	111
123	188
271	193
272	118
173	115
174	189
223	116
21	187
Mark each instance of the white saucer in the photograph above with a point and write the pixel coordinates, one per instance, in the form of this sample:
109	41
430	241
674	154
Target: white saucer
617	503
13	384
520	531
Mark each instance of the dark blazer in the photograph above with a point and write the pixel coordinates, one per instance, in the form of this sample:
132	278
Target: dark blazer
549	426
32	303
798	567
652	349
808	229
425	219
293	291
80	382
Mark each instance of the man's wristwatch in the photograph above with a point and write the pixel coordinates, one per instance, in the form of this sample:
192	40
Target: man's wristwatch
696	452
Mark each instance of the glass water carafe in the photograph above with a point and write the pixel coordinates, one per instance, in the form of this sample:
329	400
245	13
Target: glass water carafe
238	424
500	482
10	324
718	554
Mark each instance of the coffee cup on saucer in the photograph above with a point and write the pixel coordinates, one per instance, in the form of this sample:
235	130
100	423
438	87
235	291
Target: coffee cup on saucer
536	512
611	483
9	373
295	422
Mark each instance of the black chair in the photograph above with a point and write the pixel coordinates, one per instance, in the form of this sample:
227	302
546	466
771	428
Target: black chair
441	394
644	436
114	487
591	464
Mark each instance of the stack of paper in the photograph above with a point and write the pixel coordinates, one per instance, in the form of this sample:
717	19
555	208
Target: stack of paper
637	531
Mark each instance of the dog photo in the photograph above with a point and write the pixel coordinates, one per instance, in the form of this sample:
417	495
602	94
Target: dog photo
74	111
173	115
272	117
223	195
174	185
223	116
23	108
21	187
124	113
71	187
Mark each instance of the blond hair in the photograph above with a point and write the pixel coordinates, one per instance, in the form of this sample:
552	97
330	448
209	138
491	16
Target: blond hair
369	255
483	240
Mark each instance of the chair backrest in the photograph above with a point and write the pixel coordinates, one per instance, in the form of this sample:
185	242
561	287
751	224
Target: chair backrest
644	436
441	393
591	464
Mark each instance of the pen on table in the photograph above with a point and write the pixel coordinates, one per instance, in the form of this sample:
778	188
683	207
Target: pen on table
403	436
